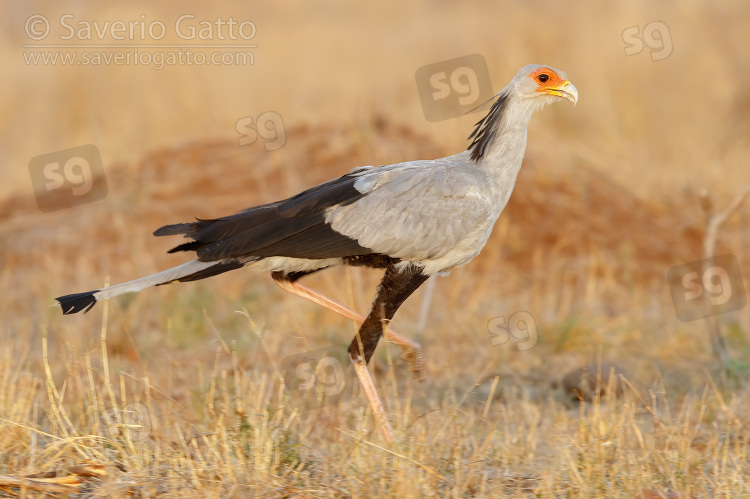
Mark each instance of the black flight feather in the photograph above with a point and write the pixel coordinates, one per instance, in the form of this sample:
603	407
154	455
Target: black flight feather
294	227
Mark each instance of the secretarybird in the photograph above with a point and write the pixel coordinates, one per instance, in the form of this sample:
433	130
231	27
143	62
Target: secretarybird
413	219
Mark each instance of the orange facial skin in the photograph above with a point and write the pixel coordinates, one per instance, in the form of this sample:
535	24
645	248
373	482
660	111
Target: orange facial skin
553	83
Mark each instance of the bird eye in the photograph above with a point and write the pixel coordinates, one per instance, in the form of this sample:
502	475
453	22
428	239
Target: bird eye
543	77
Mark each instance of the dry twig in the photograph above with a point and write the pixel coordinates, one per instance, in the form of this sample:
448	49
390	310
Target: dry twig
713	223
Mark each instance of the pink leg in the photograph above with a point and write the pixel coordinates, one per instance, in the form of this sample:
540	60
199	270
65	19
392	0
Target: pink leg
412	350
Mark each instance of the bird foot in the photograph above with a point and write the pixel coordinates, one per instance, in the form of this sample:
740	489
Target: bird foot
413	353
417	362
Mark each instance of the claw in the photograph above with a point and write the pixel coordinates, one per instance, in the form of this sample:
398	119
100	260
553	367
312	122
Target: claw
417	363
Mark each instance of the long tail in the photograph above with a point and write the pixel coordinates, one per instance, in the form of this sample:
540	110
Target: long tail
190	271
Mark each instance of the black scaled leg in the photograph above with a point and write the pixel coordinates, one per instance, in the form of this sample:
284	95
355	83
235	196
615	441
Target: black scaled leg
393	291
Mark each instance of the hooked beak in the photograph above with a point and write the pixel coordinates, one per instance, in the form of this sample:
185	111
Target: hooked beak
567	91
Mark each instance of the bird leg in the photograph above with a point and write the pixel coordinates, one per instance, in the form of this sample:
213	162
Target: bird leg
394	289
368	386
413	352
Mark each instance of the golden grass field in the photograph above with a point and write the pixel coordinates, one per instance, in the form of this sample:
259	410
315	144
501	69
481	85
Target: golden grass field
607	202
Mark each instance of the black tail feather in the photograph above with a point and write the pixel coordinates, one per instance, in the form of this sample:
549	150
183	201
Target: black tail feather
77	302
191	246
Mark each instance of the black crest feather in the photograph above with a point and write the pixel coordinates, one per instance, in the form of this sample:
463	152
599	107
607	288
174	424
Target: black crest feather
486	128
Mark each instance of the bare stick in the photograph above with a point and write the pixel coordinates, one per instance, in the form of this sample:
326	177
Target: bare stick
42	485
713	222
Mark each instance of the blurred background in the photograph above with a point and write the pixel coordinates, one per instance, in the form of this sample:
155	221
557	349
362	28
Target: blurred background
607	202
666	125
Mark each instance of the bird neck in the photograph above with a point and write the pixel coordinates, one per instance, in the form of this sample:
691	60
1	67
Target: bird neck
501	134
500	139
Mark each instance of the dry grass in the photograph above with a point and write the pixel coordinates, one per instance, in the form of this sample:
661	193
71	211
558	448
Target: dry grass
605	204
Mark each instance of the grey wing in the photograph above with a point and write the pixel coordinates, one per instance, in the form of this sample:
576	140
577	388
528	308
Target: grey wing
417	211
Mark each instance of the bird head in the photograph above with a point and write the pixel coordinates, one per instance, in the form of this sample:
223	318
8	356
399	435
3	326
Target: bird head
543	85
531	89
